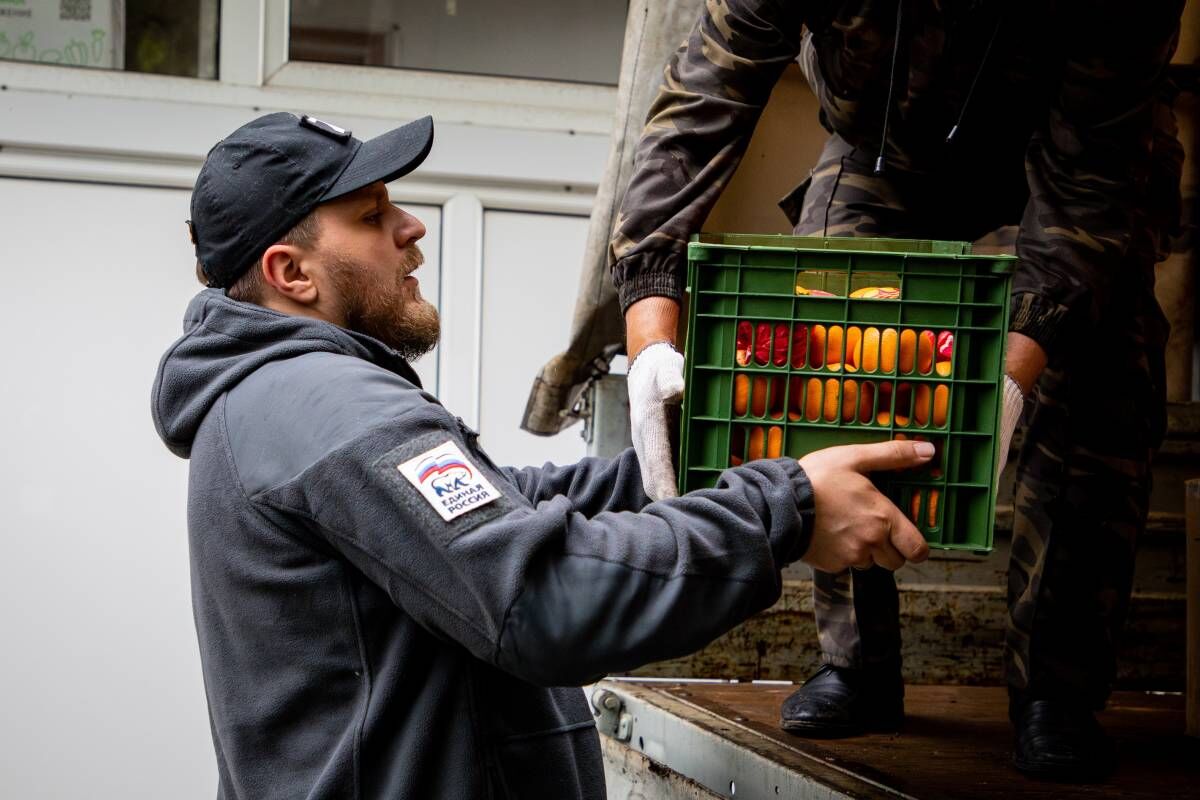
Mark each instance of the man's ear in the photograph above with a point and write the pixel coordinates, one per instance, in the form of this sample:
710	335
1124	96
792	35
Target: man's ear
284	271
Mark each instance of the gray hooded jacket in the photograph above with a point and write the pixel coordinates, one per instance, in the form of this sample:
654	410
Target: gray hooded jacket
384	613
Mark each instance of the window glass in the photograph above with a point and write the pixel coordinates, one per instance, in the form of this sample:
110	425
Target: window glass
565	40
166	37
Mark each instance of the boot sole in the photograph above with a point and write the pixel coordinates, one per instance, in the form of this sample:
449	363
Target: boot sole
824	730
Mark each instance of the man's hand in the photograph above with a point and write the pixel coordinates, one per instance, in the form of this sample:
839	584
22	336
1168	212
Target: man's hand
649	320
655	381
1023	364
1012	401
1024	361
855	525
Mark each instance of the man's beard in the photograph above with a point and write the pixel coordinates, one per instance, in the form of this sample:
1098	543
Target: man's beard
379	308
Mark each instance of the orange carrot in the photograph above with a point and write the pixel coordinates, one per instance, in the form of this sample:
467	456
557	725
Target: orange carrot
908	350
870	350
758	398
812	400
741	394
887	350
941	404
831	400
849	400
816	347
755	451
922	403
925	352
775	442
833	348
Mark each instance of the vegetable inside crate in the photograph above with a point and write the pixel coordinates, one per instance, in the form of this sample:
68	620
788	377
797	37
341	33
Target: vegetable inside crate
800	343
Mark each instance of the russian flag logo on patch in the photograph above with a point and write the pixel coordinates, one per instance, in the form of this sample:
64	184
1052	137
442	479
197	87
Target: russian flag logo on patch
445	474
448	481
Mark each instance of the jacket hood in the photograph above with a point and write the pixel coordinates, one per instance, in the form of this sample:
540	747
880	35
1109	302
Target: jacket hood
224	341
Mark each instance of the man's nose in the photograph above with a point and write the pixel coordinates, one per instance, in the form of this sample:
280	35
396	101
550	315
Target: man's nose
409	230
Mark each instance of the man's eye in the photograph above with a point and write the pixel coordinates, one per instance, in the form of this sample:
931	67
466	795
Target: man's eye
372	219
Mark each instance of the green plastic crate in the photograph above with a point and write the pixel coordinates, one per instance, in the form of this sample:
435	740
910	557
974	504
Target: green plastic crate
945	291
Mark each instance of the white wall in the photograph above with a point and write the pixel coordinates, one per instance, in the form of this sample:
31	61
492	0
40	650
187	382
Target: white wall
531	266
100	678
101	667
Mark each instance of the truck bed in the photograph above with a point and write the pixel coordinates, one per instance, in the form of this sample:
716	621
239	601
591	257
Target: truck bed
721	739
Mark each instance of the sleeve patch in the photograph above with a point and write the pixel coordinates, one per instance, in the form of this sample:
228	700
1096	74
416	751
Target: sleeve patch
448	481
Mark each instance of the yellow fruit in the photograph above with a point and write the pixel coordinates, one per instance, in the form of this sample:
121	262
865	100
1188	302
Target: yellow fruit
921	404
755	451
758	398
866	402
849	400
831	400
741	394
876	293
870	353
925	352
908	350
941	405
887	350
775	442
853	348
812	400
816	347
833	349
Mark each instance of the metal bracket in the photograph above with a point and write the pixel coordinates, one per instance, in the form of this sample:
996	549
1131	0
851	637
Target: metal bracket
611	717
606	416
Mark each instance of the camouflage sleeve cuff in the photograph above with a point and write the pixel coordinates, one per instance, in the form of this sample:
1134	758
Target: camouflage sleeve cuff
1039	318
648	275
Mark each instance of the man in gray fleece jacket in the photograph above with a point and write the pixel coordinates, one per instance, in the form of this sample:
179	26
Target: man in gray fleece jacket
382	611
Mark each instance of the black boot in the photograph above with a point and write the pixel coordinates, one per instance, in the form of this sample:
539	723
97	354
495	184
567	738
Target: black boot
838	701
1061	741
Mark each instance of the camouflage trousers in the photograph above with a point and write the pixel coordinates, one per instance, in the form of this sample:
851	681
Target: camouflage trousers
1083	474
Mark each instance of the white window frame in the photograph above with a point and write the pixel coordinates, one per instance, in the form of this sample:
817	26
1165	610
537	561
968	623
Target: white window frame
502	143
253	71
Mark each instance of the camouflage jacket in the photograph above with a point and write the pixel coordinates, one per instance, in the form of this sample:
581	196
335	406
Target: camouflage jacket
1068	92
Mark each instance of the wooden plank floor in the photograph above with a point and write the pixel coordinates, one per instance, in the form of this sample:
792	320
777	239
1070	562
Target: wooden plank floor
956	743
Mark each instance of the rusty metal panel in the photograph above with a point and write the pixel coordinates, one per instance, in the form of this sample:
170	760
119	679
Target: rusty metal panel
630	775
728	759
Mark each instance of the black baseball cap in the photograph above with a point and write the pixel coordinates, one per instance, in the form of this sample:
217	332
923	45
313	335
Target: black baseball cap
266	176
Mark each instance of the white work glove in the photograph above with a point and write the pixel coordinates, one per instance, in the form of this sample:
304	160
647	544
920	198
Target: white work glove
655	380
1010	413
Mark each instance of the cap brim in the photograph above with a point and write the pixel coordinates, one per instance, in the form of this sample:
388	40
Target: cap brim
385	158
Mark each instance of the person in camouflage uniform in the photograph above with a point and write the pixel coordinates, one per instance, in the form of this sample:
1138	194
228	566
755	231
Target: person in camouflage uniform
947	121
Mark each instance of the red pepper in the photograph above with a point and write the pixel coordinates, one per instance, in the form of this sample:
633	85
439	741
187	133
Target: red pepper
762	344
781	344
745	332
799	346
945	346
